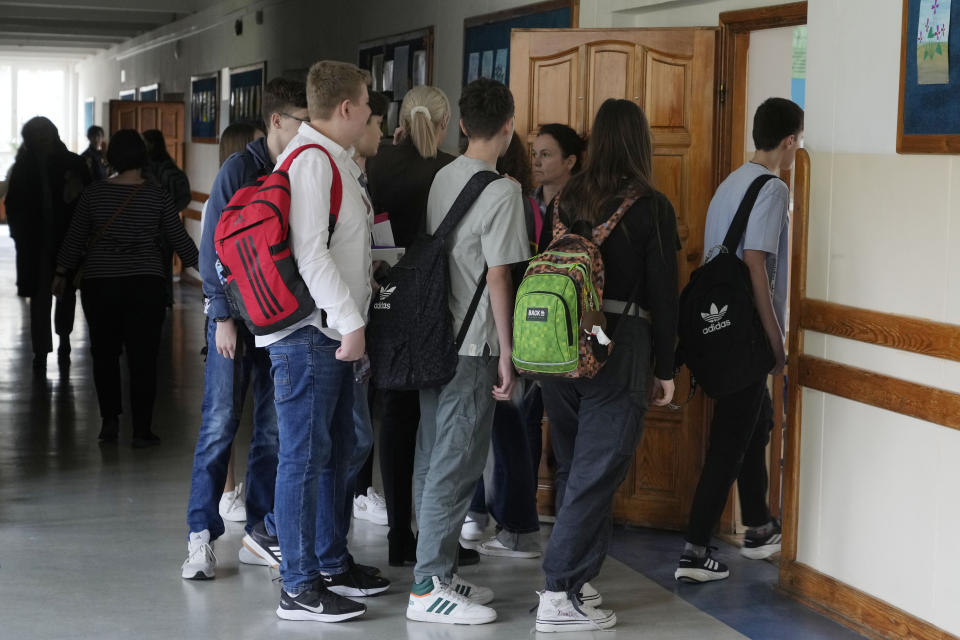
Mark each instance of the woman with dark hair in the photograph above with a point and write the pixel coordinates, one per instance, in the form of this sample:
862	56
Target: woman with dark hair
595	423
557	155
45	184
115	240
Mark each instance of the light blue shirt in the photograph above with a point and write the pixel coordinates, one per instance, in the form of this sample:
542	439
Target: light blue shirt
767	229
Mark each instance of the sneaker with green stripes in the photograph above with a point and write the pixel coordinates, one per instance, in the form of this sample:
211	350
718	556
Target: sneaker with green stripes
433	601
479	595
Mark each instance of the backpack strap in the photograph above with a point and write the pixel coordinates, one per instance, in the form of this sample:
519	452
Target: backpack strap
739	225
559	229
468	196
336	195
603	231
336	189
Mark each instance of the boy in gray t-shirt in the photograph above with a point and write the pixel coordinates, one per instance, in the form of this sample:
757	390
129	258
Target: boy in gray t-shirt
456	419
742	421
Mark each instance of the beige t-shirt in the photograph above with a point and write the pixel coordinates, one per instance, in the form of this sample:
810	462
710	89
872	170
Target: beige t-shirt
492	232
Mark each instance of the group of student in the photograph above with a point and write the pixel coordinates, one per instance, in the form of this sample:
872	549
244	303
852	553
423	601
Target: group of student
312	433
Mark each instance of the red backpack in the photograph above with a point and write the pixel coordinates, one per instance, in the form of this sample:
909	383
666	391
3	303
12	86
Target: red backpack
263	283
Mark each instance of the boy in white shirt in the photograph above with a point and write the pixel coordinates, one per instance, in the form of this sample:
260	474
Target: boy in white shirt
312	361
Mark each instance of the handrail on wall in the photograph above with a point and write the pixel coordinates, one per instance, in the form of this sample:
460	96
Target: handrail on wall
848	605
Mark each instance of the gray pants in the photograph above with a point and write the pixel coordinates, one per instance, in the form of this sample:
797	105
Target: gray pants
452	445
595	427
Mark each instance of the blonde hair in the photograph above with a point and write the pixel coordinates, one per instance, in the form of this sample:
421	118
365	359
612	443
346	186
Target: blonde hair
329	83
424	113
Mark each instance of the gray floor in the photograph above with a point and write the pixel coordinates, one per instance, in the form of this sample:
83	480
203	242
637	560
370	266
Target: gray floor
92	537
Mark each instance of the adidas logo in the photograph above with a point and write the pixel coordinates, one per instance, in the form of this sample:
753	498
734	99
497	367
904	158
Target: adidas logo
385	293
714	315
388	290
714	319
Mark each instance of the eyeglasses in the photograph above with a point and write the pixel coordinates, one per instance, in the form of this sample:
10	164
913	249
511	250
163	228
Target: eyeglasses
295	117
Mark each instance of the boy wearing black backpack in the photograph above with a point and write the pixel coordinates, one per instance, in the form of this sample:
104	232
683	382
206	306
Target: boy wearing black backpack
742	420
456	418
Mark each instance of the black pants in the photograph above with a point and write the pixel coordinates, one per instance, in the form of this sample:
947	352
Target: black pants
125	314
40	305
595	427
398	445
739	435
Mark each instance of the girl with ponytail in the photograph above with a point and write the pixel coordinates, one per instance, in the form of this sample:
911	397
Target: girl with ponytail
399	177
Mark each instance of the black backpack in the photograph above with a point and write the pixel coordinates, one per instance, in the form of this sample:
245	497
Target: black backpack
722	340
410	332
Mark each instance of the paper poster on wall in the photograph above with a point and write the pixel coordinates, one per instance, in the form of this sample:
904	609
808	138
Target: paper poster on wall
933	36
486	66
419	68
204	107
474	67
500	66
246	88
401	70
376	71
388	75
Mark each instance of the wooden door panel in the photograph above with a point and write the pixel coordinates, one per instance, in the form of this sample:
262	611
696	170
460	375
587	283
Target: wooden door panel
148	118
667	91
670	74
554	76
610	75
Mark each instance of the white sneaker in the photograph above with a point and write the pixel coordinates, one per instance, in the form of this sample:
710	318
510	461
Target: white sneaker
557	613
590	596
443	604
371	507
493	547
473	530
248	557
200	563
480	595
232	505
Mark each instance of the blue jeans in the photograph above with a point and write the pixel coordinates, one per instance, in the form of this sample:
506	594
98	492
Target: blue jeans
363	425
225	386
314	398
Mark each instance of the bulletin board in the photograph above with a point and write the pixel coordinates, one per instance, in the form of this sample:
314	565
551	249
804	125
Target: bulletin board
204	108
486	38
246	92
929	120
396	64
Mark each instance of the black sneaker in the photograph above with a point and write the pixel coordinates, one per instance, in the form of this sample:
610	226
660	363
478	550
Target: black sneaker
263	545
697	570
145	439
370	570
759	548
467	557
355	582
319	605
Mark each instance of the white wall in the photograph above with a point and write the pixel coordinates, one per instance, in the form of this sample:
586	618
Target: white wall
769	71
878	495
661	13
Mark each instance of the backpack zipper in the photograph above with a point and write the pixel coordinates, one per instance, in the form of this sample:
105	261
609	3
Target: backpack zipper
566	312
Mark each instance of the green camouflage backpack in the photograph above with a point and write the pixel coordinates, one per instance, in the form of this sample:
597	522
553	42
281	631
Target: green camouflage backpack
563	287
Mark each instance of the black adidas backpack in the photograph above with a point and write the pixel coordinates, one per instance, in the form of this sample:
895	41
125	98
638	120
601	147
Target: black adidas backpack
722	340
410	337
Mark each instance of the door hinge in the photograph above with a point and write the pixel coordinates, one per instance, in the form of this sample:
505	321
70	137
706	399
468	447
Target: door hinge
723	94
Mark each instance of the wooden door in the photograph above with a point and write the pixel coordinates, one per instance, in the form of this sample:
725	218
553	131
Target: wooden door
168	117
564	76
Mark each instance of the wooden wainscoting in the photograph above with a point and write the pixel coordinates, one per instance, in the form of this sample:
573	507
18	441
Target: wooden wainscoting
858	610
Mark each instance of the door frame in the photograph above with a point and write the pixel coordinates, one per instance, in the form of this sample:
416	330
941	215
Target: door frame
735	29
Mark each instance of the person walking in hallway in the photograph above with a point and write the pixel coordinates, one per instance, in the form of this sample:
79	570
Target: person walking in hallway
742	421
44	188
115	238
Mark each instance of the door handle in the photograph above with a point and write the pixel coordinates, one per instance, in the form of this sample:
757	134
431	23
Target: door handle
693	257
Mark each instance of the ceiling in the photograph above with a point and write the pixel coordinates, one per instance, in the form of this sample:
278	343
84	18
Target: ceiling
78	28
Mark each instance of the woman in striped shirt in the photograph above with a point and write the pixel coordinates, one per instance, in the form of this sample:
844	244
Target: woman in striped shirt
115	238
